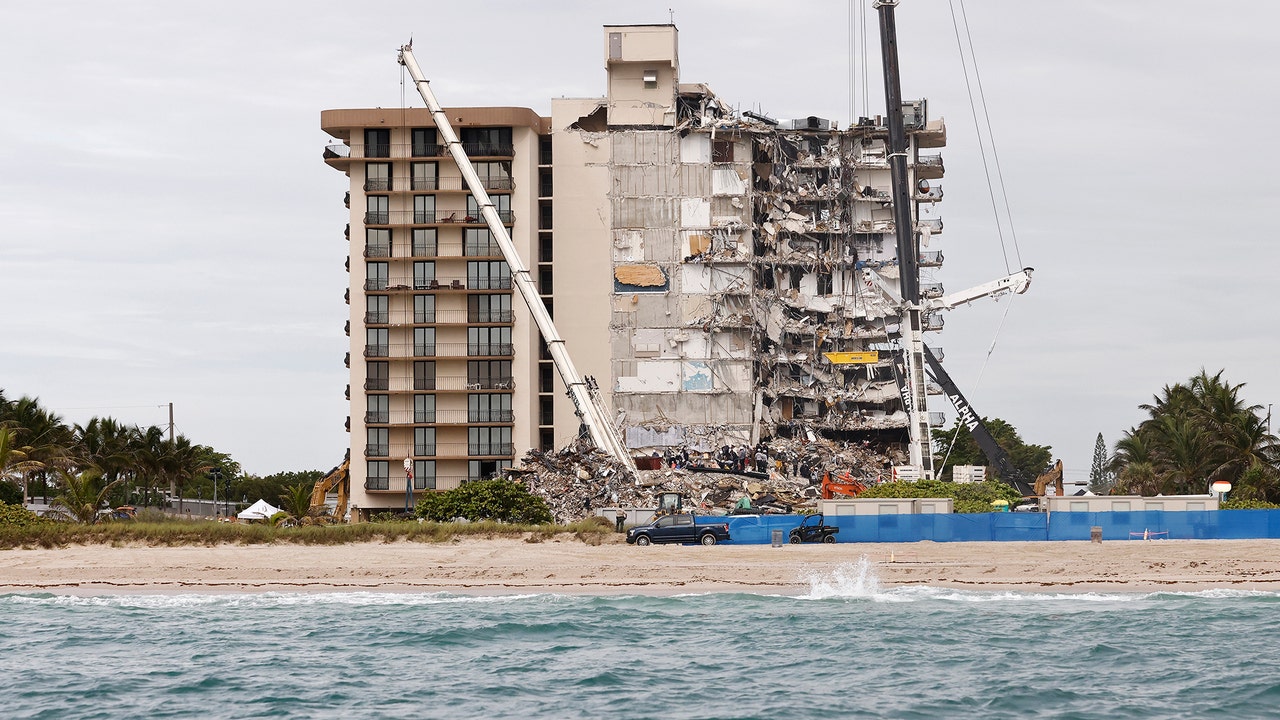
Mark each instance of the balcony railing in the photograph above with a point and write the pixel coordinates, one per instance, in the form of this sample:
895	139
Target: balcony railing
378	184
377	418
382	450
457	183
490	349
396	484
453	382
484	416
377	384
931	290
431	217
933	258
376	318
489	316
474	449
482	249
934	226
488	150
377	250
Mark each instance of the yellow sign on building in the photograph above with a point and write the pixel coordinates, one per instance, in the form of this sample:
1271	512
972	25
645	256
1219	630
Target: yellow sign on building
852	358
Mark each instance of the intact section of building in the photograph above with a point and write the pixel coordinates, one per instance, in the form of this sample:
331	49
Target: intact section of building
720	276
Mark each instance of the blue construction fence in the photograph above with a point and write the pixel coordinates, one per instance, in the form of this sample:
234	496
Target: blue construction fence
1153	524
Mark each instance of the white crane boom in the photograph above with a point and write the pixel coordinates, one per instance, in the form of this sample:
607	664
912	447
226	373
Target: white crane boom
586	400
1016	283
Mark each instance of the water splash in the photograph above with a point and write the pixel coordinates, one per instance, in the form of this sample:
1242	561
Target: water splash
848	580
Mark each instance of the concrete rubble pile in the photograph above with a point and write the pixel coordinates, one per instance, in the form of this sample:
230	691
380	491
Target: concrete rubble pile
577	481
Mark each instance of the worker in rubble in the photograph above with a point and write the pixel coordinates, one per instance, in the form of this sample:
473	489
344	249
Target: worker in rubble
762	460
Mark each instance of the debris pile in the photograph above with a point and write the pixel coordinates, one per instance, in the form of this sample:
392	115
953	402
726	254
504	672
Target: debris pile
778	476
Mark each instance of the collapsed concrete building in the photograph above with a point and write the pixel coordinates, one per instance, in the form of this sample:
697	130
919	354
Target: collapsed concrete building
739	247
718	275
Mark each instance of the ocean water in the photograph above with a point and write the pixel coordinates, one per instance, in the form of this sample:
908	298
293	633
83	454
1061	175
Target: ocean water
846	648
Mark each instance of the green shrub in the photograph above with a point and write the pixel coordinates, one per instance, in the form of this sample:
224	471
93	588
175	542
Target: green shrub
17	516
968	497
498	499
1247	505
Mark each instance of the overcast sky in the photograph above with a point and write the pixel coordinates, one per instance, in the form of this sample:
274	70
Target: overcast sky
169	232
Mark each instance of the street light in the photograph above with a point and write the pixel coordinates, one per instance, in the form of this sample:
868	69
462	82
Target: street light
408	484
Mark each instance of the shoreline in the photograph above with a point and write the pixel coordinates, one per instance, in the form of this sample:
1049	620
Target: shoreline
564	565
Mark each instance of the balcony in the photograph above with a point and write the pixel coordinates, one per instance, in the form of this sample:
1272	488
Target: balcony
489	316
929	167
376	318
378	185
937	419
932	225
932	258
451	382
377	250
925	192
483	449
431	217
420	484
377	384
490	350
377	351
490	416
931	290
475	150
381	450
377	417
481	249
457	183
933	321
440	350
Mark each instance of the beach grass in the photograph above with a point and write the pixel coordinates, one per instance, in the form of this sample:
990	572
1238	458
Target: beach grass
178	532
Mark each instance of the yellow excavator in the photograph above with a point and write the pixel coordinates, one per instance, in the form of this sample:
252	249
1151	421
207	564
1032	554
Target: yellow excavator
339	478
1054	476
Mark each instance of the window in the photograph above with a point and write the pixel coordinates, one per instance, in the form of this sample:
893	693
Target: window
544	248
377	475
424	272
424	441
424	408
478	242
376	408
546	439
721	151
544	281
424	242
488	275
377	442
501	203
376	210
375	275
489	374
546	411
546	378
485	469
424	374
650	79
489	441
488	308
377	176
424	341
377	375
424	176
424	142
488	341
424	309
544	151
377	143
494	175
424	474
545	184
376	342
487	141
377	242
424	208
375	309
824	283
545	216
488	407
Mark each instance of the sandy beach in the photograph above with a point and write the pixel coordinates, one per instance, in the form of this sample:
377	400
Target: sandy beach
567	565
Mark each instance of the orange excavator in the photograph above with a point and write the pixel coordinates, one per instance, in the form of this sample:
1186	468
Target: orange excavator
844	485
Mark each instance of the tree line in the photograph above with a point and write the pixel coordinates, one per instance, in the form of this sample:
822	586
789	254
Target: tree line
43	457
1194	433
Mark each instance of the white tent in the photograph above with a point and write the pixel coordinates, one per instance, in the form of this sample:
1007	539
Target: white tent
260	510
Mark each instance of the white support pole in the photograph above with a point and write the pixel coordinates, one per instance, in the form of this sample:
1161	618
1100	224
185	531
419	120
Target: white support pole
587	407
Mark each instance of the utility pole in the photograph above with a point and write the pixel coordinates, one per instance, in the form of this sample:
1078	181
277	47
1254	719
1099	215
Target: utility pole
173	488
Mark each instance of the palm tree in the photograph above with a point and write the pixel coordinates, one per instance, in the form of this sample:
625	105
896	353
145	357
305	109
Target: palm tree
14	464
104	443
50	441
83	495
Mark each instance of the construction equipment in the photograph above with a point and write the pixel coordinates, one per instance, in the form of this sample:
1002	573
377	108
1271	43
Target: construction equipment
339	478
844	485
669	503
1054	477
584	393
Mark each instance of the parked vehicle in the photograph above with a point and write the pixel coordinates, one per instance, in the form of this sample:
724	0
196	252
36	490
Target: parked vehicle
678	528
812	529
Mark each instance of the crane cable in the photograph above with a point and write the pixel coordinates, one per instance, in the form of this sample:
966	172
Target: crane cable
973	58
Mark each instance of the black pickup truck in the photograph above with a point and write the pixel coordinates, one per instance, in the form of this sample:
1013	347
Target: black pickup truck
679	528
811	529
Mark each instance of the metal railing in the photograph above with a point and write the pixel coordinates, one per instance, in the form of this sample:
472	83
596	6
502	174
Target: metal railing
455	183
431	217
377	418
450	382
376	351
378	184
933	258
377	250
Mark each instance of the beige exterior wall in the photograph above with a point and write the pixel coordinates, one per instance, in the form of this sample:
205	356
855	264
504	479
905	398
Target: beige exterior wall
634	53
439	331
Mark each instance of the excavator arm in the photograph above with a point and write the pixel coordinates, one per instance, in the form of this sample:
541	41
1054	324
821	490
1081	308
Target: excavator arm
339	478
1054	477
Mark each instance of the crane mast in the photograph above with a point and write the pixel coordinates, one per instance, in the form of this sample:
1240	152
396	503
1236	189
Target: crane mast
586	400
